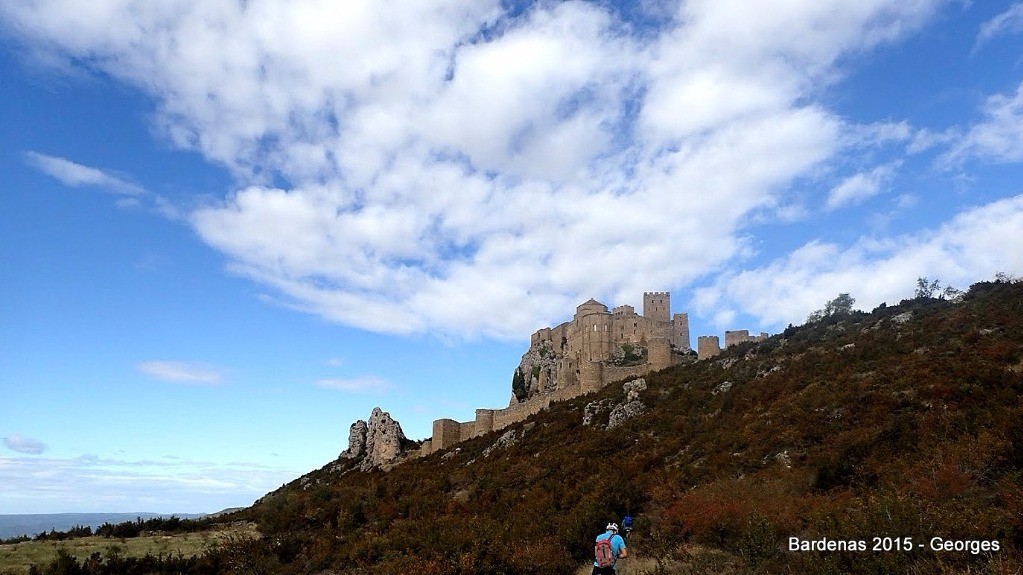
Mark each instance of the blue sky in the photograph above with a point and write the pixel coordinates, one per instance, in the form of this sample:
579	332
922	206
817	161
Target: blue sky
230	229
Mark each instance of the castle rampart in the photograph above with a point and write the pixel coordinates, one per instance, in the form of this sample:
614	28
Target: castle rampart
742	336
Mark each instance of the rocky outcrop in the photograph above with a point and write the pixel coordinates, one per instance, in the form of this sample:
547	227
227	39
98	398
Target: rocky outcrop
508	439
536	373
620	412
632	406
356	440
378	443
723	387
594	408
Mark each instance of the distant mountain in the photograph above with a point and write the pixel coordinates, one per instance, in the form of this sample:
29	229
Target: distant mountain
33	524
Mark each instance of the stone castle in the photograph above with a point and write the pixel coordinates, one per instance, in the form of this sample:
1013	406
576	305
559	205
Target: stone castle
596	347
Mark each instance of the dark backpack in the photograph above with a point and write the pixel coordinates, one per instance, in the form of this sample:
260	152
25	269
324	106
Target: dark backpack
603	553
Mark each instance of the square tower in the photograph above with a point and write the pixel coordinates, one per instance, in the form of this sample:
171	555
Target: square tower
657	305
680	331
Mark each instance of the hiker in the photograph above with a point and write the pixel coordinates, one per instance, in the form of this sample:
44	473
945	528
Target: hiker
609	548
627	525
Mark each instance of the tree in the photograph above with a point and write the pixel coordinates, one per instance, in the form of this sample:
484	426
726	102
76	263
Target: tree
952	294
925	288
519	385
841	305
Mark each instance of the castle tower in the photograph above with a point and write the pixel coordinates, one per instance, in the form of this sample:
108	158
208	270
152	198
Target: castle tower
446	432
659	354
484	422
708	346
593	328
657	306
680	332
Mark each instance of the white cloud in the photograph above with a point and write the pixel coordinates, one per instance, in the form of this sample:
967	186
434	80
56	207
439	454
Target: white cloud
455	169
24	444
999	136
1010	21
166	485
368	384
181	372
860	187
72	174
977	243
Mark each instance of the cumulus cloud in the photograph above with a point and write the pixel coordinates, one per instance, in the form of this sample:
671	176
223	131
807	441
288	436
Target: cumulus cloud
454	168
24	444
73	174
181	372
368	384
976	244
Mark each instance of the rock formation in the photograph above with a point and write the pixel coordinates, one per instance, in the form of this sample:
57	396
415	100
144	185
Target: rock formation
356	440
632	406
620	412
379	443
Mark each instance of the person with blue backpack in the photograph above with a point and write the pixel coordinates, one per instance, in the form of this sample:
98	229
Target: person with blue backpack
627	525
609	548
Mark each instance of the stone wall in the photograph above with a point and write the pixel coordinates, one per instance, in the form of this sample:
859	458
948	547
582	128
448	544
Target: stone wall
742	336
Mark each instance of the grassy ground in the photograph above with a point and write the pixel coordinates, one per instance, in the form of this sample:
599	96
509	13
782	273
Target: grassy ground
16	558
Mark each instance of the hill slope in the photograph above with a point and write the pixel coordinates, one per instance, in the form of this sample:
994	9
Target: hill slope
901	423
904	422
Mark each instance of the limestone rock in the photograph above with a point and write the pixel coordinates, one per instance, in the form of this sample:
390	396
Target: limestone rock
624	412
632	389
384	440
508	439
356	440
902	318
378	443
592	409
538	369
722	387
620	412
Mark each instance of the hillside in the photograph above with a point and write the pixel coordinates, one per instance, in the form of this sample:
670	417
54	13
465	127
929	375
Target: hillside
903	424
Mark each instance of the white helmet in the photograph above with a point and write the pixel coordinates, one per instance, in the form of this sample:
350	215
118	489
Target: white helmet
612	527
